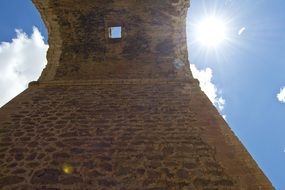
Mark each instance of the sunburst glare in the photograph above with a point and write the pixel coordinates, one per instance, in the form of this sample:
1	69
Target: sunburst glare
211	32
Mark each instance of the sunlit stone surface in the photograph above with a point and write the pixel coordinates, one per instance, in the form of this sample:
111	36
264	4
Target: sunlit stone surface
119	113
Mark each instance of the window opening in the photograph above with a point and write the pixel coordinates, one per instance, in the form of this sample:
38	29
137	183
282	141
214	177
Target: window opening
115	32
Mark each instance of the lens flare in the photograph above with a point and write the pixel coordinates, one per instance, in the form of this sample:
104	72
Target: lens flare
211	32
67	168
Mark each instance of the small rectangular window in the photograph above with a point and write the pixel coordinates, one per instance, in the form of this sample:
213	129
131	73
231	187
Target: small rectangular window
115	32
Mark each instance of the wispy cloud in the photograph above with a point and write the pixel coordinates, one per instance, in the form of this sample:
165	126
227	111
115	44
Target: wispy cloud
205	78
281	95
241	31
21	61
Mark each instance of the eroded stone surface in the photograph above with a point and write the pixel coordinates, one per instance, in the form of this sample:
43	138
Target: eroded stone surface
138	135
153	37
119	114
10	180
46	176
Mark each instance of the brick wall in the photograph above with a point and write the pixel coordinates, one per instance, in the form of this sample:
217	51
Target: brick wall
121	134
153	43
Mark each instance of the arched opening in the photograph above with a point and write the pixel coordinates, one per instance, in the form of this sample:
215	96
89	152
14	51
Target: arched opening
23	47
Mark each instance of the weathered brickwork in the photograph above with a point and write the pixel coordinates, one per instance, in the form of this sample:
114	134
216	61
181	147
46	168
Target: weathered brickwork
153	43
119	114
121	135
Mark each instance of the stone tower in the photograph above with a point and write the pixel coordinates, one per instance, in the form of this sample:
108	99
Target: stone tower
117	108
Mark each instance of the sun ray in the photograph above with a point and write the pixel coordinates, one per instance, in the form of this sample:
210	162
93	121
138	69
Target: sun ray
211	32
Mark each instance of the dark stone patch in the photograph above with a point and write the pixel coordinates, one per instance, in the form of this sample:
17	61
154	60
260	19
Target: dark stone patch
18	150
200	182
168	151
76	151
183	184
73	141
158	17
101	145
107	182
40	156
24	187
154	156
12	165
154	164
70	180
2	156
31	156
46	176
156	188
60	144
60	155
141	171
152	174
123	171
6	139
50	149
55	163
10	180
69	134
24	139
33	164
51	139
95	174
218	173
33	144
5	144
135	45
89	164
19	157
165	47
3	131
3	149
190	165
19	171
84	133
224	182
107	167
166	172
182	173
213	164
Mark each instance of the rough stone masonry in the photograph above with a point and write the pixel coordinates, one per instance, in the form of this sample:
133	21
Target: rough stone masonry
119	113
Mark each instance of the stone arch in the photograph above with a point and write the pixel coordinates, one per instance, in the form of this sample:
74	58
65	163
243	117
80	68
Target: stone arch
80	49
54	39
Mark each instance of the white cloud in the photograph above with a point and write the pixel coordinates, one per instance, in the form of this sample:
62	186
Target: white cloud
281	95
205	78
21	61
241	31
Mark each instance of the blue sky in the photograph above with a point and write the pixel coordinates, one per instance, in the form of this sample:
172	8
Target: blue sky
249	70
242	76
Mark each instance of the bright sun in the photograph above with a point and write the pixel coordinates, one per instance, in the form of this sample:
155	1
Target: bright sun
211	32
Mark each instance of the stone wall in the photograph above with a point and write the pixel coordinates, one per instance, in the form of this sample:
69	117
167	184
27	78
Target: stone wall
119	115
121	134
153	43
